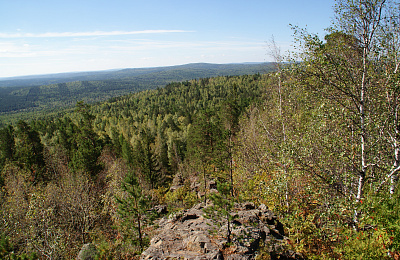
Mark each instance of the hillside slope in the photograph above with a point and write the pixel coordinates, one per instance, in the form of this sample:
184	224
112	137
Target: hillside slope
174	73
66	89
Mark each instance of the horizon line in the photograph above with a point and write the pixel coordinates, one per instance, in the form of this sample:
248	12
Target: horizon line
86	34
5	78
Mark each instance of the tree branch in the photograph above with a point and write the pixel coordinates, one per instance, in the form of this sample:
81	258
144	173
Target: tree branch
387	178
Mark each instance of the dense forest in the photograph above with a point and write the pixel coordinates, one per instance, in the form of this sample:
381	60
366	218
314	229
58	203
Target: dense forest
27	97
316	141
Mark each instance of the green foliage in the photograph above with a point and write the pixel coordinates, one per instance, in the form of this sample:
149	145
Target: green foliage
7	148
84	152
7	144
5	247
222	207
85	157
43	96
379	237
134	210
181	198
29	149
126	150
146	160
204	136
87	144
366	245
7	251
290	140
106	251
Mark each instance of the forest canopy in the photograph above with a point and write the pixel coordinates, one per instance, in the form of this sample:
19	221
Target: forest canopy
31	97
316	141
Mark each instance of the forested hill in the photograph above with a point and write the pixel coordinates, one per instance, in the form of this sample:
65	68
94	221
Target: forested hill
169	73
317	142
72	166
97	87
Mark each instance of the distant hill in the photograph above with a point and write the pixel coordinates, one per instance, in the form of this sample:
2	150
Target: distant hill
50	93
172	73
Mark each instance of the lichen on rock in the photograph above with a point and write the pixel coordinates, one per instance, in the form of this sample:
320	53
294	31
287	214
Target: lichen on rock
189	235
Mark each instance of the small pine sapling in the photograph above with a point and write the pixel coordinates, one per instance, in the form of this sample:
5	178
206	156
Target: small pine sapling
221	208
134	208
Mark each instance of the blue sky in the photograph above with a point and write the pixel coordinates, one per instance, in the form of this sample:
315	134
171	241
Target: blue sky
51	36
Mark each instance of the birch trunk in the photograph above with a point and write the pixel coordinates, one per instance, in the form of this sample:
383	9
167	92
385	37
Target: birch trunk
394	178
362	173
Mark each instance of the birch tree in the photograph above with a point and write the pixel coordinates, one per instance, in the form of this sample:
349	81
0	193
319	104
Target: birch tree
345	70
362	19
277	57
390	81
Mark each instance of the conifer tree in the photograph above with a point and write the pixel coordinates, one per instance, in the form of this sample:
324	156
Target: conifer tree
221	208
145	158
29	149
7	144
86	142
126	149
202	141
133	208
230	113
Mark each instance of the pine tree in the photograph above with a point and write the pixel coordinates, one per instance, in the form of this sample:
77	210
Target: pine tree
202	143
29	150
221	208
86	142
7	144
145	158
126	149
133	208
230	123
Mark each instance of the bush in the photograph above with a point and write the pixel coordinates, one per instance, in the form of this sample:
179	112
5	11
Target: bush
7	251
379	230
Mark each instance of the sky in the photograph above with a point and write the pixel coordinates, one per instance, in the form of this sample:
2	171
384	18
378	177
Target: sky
54	36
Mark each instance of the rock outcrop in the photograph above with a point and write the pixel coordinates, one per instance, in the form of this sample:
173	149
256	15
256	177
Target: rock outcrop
189	235
88	252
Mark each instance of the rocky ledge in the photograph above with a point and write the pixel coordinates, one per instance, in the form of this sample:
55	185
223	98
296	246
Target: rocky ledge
189	235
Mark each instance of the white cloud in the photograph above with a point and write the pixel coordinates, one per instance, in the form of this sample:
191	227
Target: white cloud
145	44
85	34
44	55
11	50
